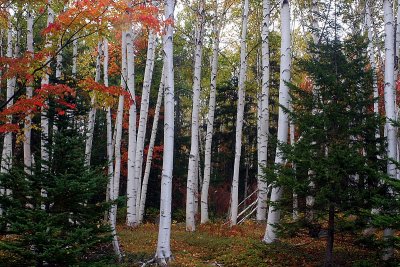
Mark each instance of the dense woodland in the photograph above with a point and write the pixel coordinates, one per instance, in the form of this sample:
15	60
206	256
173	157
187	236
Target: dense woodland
269	127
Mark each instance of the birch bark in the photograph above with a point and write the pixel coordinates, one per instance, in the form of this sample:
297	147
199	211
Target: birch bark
151	147
163	253
194	141
274	214
390	106
240	112
29	94
144	109
264	118
132	185
6	160
210	121
93	110
44	120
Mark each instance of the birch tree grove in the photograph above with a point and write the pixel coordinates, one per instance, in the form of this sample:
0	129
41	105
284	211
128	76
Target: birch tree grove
273	213
163	253
194	141
210	118
264	116
240	113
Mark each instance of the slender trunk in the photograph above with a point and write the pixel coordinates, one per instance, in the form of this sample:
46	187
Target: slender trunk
59	59
240	113
151	148
93	109
210	121
163	253
132	184
194	141
389	96
331	235
264	118
273	213
29	94
114	190
144	109
74	57
6	157
44	120
389	87
110	153
315	26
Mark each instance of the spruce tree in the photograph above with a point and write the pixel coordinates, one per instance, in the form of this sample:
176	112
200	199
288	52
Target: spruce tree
338	151
64	225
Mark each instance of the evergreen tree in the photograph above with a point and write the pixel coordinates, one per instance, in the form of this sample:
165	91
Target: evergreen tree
62	226
338	150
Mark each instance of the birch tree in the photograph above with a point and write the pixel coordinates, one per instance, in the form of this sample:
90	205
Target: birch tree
93	110
194	141
264	116
114	190
283	120
149	158
163	253
389	95
44	120
144	109
210	118
240	113
29	94
132	186
6	157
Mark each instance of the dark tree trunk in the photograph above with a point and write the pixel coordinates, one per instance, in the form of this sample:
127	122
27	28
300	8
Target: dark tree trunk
331	232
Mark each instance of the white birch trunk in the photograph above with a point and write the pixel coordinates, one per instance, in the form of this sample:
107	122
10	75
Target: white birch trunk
372	57
264	118
283	121
59	59
144	109
6	160
151	147
163	253
92	112
29	94
240	113
132	185
110	153
389	95
44	120
210	122
315	25
74	57
114	190
194	141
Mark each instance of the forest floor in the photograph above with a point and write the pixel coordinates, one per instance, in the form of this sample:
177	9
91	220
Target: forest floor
220	245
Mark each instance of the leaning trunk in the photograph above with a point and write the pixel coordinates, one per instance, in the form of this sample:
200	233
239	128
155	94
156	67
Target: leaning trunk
144	109
151	148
